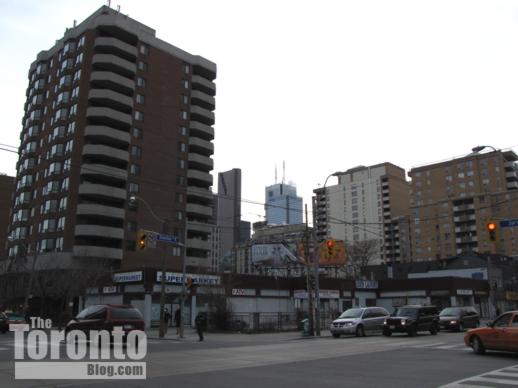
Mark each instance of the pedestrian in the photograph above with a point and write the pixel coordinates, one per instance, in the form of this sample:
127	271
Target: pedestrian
177	319
201	324
167	317
497	312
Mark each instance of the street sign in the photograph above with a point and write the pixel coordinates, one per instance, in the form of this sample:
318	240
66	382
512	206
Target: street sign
509	223
167	238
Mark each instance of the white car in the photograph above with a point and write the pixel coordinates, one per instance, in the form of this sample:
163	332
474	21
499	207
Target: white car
360	321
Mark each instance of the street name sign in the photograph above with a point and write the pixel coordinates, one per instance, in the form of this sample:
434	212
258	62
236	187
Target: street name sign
167	238
509	223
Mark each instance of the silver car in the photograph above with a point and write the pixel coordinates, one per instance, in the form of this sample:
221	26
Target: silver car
359	321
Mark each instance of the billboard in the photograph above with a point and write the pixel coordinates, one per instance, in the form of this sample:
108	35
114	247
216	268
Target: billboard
273	255
328	256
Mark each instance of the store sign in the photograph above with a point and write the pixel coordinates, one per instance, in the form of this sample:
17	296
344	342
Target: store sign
110	290
177	278
367	284
464	292
243	292
323	294
511	295
127	277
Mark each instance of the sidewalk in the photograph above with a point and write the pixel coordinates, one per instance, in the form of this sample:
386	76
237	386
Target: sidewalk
190	335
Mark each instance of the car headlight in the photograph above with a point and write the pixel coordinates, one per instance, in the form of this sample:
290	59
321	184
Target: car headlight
454	322
385	322
403	322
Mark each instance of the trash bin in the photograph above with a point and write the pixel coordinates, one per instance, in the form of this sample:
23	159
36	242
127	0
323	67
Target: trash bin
305	326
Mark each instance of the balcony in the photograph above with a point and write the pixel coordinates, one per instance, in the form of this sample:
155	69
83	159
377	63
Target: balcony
463	208
111	99
109	80
203	85
466	240
99	231
198	243
199	194
115	64
91	209
101	191
198	210
105	153
199	227
108	135
201	146
201	130
200	162
101	170
466	228
202	115
109	117
109	45
202	178
203	100
465	218
94	251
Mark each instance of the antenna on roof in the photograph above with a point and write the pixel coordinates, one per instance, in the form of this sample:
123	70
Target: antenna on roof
75	23
283	171
110	3
276	173
118	9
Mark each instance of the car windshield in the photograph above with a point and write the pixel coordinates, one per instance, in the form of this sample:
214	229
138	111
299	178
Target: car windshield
405	312
12	316
351	313
449	311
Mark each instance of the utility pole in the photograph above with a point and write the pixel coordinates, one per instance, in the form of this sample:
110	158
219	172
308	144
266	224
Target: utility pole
316	266
161	331
308	283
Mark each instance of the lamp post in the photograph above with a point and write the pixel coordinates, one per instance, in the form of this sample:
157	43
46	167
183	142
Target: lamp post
165	223
317	260
28	289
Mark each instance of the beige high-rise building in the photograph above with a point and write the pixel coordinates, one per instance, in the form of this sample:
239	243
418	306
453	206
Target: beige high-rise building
451	203
369	203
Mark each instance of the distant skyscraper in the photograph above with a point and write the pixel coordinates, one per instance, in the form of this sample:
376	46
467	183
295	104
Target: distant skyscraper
229	209
282	205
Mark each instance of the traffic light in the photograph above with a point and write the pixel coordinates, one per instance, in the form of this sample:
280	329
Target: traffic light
330	244
141	240
492	231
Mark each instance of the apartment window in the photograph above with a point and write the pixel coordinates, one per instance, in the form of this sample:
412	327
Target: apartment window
180	180
59	244
131	226
186	68
75	92
69	147
73	110
61	114
58	132
63	204
140	99
182	147
141	82
183	115
77	75
51	187
48	225
48	206
139	116
185	84
71	127
179	215
65	80
67	64
142	66
136	152
144	49
135	169
179	198
182	131
133	187
180	163
63	97
47	245
65	183
184	99
137	133
79	58
67	164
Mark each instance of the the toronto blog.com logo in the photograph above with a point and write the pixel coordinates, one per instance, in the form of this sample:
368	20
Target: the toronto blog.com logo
43	353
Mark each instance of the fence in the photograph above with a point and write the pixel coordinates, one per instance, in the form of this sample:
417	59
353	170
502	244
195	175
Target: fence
256	322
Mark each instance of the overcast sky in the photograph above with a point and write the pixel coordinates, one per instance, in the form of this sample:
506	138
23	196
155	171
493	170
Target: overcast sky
324	85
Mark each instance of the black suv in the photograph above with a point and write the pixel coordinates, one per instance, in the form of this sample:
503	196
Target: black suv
412	319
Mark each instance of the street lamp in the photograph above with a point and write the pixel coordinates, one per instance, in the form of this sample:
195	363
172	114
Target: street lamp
133	199
317	260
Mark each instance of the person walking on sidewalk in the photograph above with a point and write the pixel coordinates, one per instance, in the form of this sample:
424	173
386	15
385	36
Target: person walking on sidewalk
177	319
201	324
167	317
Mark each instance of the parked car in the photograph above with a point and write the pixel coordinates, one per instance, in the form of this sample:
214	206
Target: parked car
501	334
106	317
4	326
13	318
411	320
359	321
458	318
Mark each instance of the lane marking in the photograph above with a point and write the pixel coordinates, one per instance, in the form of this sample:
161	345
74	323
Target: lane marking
463	383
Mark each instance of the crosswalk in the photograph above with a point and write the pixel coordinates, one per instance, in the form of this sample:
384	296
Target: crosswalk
504	377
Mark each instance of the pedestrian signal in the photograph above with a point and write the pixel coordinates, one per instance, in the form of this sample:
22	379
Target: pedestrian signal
330	244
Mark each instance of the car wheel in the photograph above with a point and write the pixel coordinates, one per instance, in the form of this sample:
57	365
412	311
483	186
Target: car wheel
412	331
477	345
387	333
360	331
461	327
433	330
336	335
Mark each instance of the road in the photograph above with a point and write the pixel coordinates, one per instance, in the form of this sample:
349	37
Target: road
286	360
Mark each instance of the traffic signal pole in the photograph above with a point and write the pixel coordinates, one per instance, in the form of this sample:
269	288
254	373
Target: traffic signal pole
308	283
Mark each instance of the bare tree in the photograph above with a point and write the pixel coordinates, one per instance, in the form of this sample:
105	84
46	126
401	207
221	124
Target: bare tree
360	255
